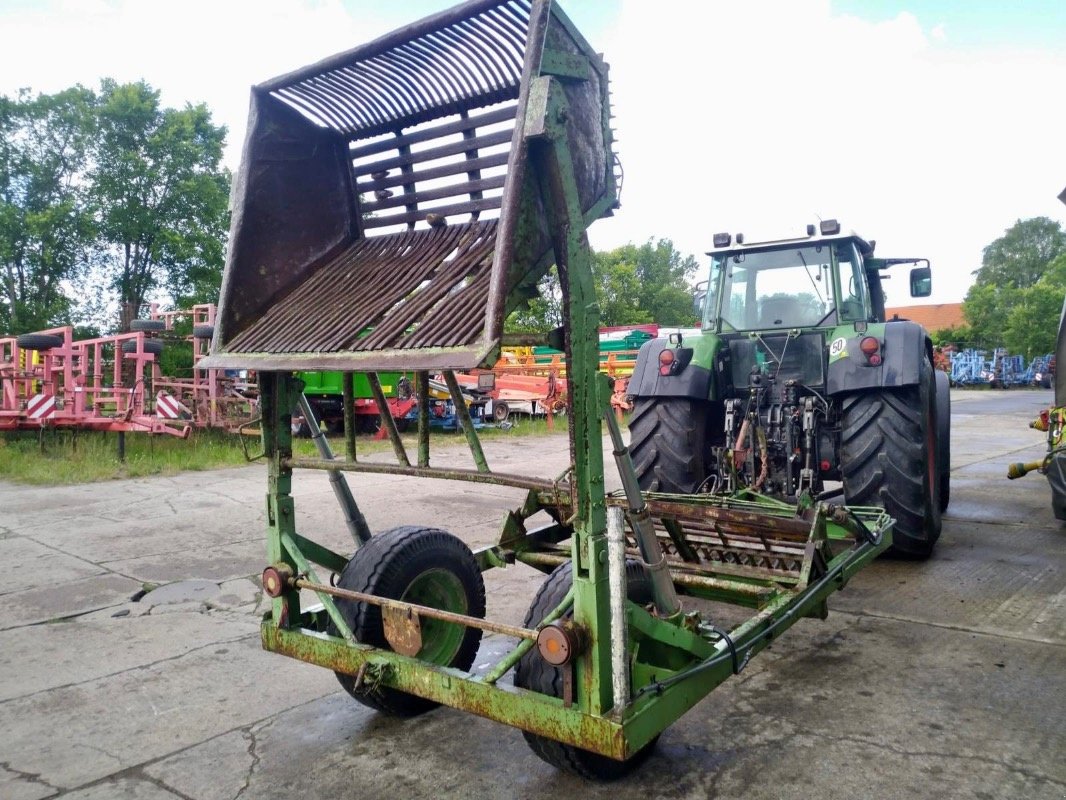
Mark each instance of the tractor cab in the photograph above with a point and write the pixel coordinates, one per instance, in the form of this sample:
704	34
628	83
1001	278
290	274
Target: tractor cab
820	280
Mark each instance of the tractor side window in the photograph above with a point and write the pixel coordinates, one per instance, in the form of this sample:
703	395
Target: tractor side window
852	283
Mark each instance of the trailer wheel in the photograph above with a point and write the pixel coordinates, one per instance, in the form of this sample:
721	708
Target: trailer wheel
500	410
536	674
889	458
38	341
153	346
426	566
668	443
943	436
146	325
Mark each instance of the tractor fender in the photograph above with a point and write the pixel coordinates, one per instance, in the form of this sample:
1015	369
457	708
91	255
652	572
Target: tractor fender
694	380
904	345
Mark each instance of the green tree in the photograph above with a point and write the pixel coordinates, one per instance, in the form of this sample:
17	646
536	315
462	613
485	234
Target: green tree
1032	323
45	218
161	198
635	284
1008	303
663	274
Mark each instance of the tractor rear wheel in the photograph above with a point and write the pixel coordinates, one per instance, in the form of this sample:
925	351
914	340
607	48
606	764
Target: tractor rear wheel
889	458
943	435
426	566
668	443
536	674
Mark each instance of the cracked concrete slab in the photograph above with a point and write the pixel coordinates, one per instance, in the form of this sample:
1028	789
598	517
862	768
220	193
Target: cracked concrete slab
124	789
46	657
151	711
55	602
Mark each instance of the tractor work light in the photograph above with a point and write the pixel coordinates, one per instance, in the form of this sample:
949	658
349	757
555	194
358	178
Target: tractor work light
722	239
829	227
810	230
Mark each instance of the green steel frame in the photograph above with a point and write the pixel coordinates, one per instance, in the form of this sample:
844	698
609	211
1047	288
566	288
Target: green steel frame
672	662
635	669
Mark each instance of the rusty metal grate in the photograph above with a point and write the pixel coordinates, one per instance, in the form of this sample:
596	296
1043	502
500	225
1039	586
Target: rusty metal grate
463	58
416	289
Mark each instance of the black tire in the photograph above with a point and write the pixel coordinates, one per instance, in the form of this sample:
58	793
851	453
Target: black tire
203	331
536	674
943	437
38	341
500	411
668	443
889	459
1056	476
391	564
153	346
147	325
150	346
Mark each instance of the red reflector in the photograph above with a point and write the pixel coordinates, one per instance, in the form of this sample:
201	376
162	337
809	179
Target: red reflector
664	369
874	360
666	357
825	465
869	345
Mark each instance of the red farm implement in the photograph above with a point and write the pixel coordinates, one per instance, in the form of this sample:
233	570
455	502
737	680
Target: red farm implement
49	379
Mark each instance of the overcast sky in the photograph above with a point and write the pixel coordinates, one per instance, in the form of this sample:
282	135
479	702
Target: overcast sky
929	126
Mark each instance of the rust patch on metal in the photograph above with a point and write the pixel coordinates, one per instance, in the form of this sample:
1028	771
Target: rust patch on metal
403	630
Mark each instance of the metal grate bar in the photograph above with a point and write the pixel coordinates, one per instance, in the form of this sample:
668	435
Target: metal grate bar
414	289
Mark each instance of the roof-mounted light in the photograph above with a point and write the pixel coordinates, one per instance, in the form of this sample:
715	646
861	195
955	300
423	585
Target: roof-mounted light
722	239
829	227
740	238
811	229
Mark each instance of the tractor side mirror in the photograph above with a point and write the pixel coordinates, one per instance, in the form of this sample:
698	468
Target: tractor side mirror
921	282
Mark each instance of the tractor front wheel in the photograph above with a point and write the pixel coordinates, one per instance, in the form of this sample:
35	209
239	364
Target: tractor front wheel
889	458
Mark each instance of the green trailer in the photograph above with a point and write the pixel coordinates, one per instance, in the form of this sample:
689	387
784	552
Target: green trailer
424	183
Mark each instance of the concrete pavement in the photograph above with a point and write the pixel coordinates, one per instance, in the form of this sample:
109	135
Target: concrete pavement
130	664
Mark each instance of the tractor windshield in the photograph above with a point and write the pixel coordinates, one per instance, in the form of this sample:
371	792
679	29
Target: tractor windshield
787	288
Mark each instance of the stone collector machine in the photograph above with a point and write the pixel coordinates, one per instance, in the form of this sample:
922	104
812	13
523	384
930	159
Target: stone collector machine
395	202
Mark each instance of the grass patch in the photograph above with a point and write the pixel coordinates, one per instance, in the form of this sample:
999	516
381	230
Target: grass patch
61	457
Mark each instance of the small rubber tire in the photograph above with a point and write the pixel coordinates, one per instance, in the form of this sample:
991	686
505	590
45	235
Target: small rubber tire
1056	476
38	341
153	346
203	331
427	566
147	325
536	674
500	411
943	435
889	458
668	443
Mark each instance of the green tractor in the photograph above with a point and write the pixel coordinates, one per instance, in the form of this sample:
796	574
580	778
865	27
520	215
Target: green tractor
795	381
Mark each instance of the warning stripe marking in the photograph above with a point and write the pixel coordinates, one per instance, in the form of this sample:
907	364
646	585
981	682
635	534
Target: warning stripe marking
168	407
41	406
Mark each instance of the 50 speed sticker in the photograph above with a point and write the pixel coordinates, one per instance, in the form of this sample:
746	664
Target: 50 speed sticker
838	349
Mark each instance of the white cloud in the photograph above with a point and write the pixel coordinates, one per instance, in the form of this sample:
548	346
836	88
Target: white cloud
731	116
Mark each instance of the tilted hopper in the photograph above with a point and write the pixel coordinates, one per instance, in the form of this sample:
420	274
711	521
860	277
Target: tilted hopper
385	215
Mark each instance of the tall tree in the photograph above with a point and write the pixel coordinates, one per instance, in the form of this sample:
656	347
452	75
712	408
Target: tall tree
1005	300
635	284
45	221
161	197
